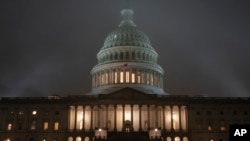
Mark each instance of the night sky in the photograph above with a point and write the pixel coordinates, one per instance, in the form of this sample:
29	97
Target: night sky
49	46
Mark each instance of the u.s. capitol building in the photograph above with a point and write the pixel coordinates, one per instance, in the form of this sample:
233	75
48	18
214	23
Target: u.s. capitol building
127	102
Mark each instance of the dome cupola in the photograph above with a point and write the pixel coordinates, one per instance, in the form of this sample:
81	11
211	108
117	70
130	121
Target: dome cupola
127	59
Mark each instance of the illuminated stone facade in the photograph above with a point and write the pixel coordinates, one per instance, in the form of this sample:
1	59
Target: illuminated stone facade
127	102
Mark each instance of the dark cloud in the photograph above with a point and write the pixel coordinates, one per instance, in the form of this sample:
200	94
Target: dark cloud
49	47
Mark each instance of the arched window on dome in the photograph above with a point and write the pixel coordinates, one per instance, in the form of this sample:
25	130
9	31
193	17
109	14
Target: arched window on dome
111	57
121	55
116	56
143	56
150	59
147	58
103	59
127	55
138	56
133	55
107	58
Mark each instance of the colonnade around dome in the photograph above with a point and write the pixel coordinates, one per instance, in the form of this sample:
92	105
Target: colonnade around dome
134	55
123	75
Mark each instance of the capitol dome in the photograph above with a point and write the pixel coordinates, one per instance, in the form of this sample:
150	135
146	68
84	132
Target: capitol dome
127	59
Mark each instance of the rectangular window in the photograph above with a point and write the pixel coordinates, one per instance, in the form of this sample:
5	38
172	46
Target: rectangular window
56	126
151	79
9	127
115	77
139	78
106	78
45	125
33	125
121	77
133	77
127	76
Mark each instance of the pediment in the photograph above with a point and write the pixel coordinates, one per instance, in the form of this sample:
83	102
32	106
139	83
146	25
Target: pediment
128	93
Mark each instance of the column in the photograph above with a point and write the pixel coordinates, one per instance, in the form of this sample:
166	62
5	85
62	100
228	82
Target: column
179	108
156	117
148	117
163	110
123	116
99	116
186	114
140	129
91	117
132	122
75	118
115	108
107	118
83	118
171	110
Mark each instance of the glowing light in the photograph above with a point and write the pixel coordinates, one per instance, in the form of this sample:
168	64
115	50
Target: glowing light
34	112
174	116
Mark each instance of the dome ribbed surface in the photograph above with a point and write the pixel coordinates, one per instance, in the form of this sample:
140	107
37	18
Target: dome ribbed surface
127	36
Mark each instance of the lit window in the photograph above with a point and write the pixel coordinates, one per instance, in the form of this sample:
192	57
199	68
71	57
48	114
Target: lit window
20	113
147	75
121	77
133	77
56	126
46	125
151	79
127	77
34	112
78	138
33	125
209	127
9	127
106	78
222	125
115	77
139	78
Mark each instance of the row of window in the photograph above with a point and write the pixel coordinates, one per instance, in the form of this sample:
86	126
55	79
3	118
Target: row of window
33	126
126	76
127	56
30	139
210	127
34	113
222	113
167	139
